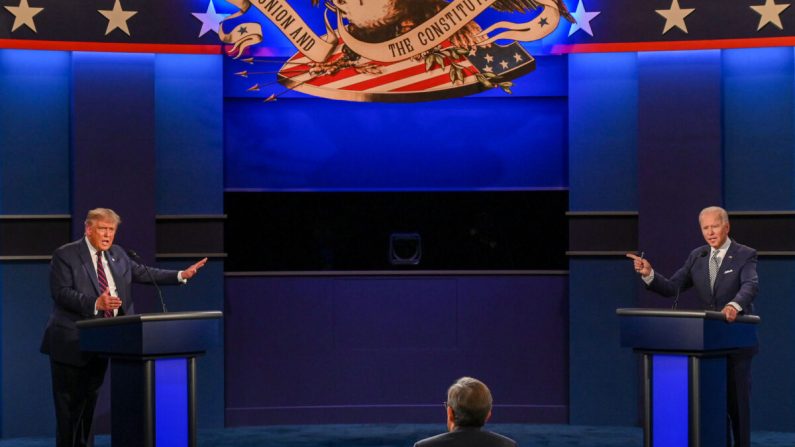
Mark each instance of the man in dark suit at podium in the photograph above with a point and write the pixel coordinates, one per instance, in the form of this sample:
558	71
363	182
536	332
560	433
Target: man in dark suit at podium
723	273
468	408
89	278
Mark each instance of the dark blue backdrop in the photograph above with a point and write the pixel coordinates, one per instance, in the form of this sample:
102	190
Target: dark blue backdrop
622	115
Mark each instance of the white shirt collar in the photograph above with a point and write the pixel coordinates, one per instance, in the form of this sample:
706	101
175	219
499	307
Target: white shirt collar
91	248
722	249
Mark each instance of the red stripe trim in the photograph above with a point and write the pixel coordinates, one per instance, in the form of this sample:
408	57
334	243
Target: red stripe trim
414	70
426	84
346	73
386	79
53	45
720	44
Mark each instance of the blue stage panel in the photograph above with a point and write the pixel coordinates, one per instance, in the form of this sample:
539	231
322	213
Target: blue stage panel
34	132
670	400
189	134
469	143
773	383
387	347
603	120
171	402
759	128
600	369
27	408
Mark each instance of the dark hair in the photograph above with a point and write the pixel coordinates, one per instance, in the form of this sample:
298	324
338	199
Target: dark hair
470	400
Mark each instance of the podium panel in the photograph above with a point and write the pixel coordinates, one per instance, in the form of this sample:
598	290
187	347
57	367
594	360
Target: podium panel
684	371
153	373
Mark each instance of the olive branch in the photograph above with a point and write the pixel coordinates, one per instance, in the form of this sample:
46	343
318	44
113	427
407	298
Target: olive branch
453	56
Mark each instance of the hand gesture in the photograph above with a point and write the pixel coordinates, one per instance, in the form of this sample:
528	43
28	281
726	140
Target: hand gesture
642	266
107	302
190	272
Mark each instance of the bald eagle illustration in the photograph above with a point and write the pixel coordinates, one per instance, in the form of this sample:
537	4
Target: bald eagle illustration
381	20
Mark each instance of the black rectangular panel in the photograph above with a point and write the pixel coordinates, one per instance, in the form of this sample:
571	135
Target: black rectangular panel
33	236
297	231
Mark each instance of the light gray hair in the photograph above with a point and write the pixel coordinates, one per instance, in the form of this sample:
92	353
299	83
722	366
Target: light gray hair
724	216
471	401
102	214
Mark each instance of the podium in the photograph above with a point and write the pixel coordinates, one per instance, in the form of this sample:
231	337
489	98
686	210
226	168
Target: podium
153	373
684	356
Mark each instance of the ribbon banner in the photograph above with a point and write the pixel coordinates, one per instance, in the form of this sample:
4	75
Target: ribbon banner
286	19
424	37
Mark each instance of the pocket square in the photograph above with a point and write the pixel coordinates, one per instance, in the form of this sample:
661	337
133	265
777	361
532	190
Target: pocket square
728	271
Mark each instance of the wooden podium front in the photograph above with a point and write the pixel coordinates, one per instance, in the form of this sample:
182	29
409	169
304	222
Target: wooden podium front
153	373
684	371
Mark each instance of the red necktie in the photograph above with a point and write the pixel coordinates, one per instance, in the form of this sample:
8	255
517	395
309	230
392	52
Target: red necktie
103	280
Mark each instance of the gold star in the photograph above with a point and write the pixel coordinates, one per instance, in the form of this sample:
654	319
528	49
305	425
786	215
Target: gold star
23	15
675	17
770	13
117	18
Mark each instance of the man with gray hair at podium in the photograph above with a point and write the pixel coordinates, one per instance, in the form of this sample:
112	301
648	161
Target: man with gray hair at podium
90	278
468	408
723	273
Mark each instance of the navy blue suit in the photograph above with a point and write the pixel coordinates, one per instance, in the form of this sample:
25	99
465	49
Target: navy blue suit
77	376
736	281
467	437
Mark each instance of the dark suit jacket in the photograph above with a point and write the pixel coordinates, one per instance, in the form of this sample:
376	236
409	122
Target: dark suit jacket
467	437
736	280
74	288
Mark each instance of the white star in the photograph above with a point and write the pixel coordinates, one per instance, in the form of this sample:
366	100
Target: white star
210	20
769	13
504	65
23	15
488	69
582	19
517	57
117	18
675	17
488	58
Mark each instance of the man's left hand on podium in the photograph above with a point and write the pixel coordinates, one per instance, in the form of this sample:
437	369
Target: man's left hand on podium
730	313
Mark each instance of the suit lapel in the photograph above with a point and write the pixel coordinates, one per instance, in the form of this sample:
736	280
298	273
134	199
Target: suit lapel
113	265
701	272
88	264
116	270
726	264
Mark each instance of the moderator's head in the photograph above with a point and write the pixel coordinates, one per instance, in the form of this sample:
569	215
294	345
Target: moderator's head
470	400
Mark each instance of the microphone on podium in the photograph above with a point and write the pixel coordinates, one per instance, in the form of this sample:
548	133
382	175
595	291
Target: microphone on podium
138	259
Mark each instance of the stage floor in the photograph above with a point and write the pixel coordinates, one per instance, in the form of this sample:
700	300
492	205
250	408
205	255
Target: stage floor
404	435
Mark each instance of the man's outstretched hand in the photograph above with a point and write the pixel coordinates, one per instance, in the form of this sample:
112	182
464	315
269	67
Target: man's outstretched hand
642	266
190	272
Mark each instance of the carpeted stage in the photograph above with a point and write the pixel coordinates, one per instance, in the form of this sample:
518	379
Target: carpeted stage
404	435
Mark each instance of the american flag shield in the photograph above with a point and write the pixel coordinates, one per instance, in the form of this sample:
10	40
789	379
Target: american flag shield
409	80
